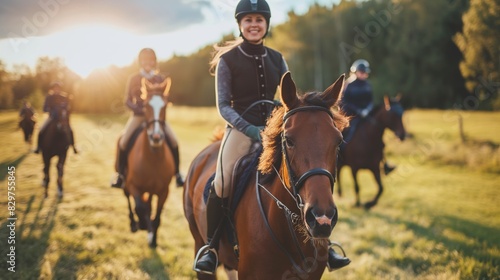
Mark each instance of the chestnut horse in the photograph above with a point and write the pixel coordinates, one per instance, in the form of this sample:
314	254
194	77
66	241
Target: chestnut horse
366	148
150	163
55	143
286	213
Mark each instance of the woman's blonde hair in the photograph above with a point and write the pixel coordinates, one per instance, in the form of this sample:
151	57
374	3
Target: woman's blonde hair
219	50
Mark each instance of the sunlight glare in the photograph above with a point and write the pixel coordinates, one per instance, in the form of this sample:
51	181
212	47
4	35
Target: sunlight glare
89	47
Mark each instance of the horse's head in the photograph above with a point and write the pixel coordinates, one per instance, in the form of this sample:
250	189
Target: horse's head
62	119
308	134
393	117
156	100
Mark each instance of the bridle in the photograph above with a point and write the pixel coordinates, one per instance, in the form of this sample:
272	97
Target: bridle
298	183
291	217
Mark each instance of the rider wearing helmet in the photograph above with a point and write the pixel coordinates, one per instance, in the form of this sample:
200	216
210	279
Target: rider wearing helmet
148	69
246	72
55	101
357	100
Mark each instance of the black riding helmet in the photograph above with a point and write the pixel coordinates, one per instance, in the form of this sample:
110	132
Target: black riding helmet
245	7
360	65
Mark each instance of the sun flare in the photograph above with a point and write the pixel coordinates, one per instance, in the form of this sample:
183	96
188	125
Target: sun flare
89	47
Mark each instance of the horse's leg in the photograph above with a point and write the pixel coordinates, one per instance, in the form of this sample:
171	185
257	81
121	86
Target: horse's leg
354	172
157	219
376	174
46	174
141	209
60	173
133	223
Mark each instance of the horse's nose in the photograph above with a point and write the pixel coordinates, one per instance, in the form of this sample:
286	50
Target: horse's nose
156	137
321	221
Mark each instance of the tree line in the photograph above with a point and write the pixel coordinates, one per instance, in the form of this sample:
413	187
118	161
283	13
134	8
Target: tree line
437	54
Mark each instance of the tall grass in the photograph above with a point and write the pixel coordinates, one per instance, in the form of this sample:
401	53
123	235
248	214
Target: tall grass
434	220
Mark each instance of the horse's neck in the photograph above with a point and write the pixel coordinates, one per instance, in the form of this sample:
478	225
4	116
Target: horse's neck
376	123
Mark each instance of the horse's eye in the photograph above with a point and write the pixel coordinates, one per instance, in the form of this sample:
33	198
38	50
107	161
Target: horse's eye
289	142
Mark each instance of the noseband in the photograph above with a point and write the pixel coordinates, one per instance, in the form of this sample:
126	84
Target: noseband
298	183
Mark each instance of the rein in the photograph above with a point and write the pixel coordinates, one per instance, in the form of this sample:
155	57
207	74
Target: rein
291	217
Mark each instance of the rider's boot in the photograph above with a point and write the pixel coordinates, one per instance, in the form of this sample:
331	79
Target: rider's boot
207	259
336	261
121	161
178	177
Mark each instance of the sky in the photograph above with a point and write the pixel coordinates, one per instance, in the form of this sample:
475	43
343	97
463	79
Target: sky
90	34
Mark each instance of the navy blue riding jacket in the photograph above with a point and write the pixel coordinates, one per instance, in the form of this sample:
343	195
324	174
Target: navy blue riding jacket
358	95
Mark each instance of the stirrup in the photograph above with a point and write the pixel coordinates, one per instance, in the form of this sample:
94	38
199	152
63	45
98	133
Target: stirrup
200	253
331	245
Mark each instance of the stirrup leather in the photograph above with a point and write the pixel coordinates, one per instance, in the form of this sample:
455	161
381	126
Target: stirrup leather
200	253
334	244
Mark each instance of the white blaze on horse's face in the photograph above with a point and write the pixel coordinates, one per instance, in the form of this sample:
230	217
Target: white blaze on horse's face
157	103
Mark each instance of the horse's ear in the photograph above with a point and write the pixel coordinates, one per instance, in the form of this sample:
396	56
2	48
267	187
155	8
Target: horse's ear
289	91
168	84
387	102
333	92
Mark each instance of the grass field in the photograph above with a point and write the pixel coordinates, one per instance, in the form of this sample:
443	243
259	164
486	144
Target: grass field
439	217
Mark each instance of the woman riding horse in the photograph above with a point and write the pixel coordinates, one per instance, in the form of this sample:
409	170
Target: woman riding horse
357	101
148	70
27	122
246	72
56	101
286	212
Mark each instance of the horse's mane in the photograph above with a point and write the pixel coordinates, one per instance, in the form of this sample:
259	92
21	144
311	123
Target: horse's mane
271	136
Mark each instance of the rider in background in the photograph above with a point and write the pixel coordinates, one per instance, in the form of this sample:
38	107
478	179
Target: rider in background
245	72
26	112
148	69
55	101
357	101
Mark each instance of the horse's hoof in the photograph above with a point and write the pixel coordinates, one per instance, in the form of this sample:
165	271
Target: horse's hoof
369	205
133	227
151	241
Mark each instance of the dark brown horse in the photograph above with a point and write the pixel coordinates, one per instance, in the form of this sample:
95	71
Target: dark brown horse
286	213
54	143
366	148
150	166
27	124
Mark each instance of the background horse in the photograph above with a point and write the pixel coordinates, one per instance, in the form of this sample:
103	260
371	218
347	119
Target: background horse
27	124
150	163
287	212
54	143
365	149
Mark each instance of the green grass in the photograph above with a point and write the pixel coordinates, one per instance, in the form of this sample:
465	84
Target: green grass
437	218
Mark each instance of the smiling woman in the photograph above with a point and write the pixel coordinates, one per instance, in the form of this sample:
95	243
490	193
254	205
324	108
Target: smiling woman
86	48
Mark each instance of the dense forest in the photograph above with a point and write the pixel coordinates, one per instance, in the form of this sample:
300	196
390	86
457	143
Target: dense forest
437	54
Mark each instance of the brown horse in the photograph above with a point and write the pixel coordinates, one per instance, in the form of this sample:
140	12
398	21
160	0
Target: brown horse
365	149
286	213
55	142
150	166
